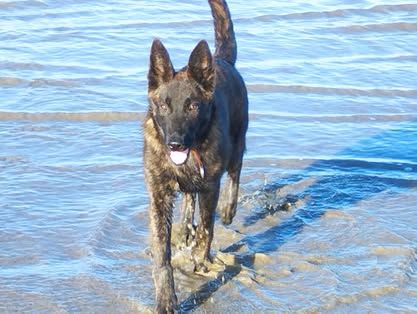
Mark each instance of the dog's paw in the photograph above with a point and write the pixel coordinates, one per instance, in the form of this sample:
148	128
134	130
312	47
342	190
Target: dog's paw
227	208
201	268
202	264
227	213
166	300
167	305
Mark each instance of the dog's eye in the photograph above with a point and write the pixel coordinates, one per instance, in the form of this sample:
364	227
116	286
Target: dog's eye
164	104
194	106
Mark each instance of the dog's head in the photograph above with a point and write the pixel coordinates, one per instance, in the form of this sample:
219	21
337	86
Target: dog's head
180	103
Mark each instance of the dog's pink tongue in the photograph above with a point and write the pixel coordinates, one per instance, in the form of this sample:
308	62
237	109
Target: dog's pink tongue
179	157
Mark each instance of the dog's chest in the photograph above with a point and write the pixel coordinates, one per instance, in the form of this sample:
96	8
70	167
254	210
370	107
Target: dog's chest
190	179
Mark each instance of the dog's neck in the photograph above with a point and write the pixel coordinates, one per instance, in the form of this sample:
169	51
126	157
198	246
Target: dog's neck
204	131
200	164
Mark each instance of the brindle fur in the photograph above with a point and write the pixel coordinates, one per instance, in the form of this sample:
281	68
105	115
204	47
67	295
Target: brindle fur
204	107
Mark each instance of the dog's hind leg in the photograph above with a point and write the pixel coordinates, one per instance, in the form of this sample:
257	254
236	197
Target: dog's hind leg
207	201
187	220
228	199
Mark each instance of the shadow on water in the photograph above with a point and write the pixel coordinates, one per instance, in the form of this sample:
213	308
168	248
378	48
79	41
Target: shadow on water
337	184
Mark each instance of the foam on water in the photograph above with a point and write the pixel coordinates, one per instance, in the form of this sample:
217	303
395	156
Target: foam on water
329	185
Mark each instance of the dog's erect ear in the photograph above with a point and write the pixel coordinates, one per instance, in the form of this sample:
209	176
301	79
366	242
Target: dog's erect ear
200	67
160	69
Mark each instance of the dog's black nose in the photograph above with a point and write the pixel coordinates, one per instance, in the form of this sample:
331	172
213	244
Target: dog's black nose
177	147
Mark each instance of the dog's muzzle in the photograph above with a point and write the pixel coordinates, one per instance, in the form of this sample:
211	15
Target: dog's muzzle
178	153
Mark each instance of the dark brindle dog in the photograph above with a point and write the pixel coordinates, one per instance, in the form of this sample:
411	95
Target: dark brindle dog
194	132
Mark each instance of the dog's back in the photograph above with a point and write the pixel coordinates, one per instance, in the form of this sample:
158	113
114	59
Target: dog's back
230	84
230	92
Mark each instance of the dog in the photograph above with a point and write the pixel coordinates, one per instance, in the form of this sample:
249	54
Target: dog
194	132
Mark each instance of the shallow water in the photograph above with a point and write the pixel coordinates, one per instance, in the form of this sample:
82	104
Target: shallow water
326	219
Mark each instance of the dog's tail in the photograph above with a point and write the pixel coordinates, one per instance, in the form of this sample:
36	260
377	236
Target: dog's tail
226	47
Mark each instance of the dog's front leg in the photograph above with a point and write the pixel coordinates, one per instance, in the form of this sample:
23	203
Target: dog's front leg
160	222
207	201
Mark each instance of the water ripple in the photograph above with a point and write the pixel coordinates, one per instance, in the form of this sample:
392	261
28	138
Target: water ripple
381	27
302	89
71	116
339	13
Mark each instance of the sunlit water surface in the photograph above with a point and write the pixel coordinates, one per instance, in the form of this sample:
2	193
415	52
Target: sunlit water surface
327	211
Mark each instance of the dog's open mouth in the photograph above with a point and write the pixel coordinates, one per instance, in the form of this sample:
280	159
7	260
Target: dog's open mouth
178	154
